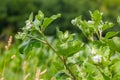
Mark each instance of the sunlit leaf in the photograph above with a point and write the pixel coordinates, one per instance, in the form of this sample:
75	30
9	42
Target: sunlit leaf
47	21
91	69
107	25
31	17
110	34
70	48
96	16
118	19
40	15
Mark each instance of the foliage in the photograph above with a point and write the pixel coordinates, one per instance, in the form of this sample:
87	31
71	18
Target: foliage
68	56
15	12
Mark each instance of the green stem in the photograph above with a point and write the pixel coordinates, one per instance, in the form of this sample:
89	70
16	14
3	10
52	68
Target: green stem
73	76
98	35
37	39
62	59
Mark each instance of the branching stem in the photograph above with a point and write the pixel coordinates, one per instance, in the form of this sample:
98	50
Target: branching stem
62	59
37	39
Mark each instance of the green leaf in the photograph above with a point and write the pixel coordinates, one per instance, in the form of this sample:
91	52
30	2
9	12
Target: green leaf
106	77
37	23
31	17
47	21
87	27
55	16
113	43
107	25
22	46
60	35
27	46
89	77
35	43
40	15
118	19
61	75
21	35
116	76
115	58
110	34
70	48
91	69
115	68
116	41
77	21
96	16
66	35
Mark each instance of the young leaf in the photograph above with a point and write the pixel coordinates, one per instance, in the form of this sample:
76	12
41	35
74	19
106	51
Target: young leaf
107	25
31	17
113	43
116	41
37	23
76	21
40	15
70	48
116	76
110	34
115	68
66	35
96	16
118	19
47	21
60	35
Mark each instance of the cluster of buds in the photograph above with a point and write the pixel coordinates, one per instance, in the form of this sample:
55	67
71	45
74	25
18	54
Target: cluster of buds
9	43
28	24
97	58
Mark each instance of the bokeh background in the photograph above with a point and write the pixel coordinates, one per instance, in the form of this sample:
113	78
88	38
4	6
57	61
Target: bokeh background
14	13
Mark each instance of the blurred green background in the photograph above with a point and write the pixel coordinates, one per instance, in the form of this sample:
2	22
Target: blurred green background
14	13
